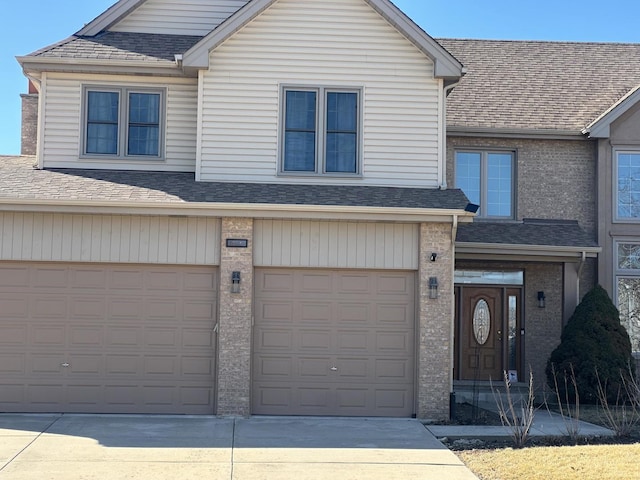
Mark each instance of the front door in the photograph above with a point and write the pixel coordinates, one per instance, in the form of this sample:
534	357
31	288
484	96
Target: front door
481	333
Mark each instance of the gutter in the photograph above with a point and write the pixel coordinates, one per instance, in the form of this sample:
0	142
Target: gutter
253	210
32	65
529	250
546	134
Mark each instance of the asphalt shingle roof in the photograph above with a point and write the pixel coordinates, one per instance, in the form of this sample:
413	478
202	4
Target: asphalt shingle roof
564	233
539	85
121	46
18	180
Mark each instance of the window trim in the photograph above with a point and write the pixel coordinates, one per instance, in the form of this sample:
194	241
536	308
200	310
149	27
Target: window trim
484	153
321	130
616	194
123	122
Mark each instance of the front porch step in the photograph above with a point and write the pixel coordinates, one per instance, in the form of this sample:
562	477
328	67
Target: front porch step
481	394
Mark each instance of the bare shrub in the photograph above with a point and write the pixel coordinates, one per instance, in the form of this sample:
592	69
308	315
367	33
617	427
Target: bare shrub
624	415
569	411
516	415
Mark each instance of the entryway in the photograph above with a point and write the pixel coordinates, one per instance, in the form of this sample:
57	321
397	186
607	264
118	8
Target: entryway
489	332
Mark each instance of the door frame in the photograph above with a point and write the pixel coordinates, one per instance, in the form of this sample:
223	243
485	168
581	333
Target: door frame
506	292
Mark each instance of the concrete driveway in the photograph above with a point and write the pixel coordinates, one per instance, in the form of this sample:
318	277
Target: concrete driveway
91	447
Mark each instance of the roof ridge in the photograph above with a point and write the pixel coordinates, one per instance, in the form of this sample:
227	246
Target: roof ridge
552	42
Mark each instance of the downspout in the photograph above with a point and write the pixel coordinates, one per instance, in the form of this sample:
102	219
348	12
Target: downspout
442	177
583	260
452	360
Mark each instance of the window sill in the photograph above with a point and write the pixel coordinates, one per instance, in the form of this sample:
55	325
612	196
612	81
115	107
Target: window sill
320	175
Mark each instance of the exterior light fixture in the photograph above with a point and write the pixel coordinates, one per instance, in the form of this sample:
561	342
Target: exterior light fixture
235	282
541	300
433	287
433	256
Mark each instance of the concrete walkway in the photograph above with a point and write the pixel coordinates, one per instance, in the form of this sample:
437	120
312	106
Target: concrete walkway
545	424
88	447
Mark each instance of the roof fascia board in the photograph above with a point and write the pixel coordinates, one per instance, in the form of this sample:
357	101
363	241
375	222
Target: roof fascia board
111	16
245	210
520	257
198	55
515	133
524	250
601	127
75	65
446	66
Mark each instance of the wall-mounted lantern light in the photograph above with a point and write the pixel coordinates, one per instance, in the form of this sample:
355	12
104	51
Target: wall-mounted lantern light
433	256
235	282
433	287
541	300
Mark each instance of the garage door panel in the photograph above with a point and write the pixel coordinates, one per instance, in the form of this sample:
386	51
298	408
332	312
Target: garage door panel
334	343
107	338
86	336
193	338
49	307
14	364
14	307
51	277
13	335
353	313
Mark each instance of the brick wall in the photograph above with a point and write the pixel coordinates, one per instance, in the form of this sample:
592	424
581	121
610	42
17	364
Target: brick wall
556	178
29	124
435	354
234	336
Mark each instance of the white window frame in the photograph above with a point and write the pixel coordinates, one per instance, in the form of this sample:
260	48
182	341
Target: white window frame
123	122
616	193
484	153
321	101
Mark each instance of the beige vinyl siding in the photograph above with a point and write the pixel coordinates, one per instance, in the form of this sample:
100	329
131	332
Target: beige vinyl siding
334	43
285	243
62	123
187	17
109	238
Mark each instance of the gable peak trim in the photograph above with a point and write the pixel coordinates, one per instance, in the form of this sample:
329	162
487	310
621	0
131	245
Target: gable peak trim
446	66
110	17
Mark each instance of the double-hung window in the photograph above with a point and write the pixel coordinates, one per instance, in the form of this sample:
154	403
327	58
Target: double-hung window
320	131
628	186
487	179
628	289
123	122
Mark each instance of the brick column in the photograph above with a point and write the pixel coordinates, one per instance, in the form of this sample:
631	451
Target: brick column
235	314
435	352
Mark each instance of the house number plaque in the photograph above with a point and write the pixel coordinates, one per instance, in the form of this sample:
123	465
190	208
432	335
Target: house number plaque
237	243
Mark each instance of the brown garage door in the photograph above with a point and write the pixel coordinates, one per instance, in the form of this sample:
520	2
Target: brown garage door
104	338
333	343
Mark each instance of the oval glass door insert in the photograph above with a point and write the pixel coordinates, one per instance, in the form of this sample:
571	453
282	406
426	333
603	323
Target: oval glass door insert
481	322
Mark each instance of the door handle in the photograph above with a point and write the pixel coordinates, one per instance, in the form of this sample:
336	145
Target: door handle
65	365
334	369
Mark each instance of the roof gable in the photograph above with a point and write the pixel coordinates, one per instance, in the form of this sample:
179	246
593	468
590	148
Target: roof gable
601	127
446	66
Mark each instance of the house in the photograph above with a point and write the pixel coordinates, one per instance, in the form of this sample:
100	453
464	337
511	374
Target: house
542	136
236	208
293	207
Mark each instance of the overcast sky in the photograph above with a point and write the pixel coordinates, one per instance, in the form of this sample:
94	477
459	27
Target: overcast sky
31	25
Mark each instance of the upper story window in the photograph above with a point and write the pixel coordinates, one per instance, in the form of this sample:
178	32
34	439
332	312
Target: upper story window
487	179
628	186
123	122
321	131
